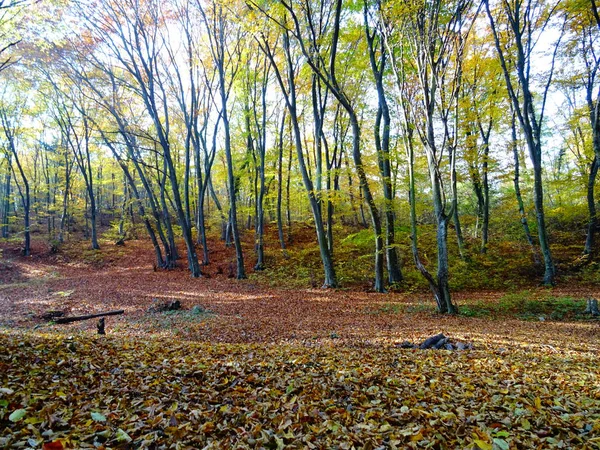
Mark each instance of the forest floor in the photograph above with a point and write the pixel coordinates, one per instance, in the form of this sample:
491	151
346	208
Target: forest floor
260	366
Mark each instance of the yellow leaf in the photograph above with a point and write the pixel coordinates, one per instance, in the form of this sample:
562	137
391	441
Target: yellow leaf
417	437
482	445
538	403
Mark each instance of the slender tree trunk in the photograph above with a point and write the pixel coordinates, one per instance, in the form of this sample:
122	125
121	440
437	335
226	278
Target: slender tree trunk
485	225
202	185
25	195
260	219
186	183
593	223
123	209
375	218
290	98
457	227
261	127
414	245
241	271
93	219
7	194
351	192
172	254
280	185
202	228
524	106
160	261
382	145
288	211
517	184
594	116
26	211
541	222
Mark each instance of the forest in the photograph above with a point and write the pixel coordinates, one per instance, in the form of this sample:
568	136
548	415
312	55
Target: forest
301	224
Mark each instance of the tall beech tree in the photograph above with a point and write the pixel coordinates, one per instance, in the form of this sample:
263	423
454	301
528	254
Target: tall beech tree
133	35
378	61
324	65
581	44
225	40
436	35
286	75
516	25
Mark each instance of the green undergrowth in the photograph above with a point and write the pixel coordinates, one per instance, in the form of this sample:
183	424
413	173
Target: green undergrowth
522	305
525	305
178	321
507	264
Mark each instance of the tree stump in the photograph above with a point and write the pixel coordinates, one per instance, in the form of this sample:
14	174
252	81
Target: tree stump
101	326
592	307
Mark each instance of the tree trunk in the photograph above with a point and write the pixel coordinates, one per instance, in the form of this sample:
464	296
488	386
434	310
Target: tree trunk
485	225
593	223
516	182
290	98
241	271
7	193
444	300
93	221
382	145
375	218
541	223
280	185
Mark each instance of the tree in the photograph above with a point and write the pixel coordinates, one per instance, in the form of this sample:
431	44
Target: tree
378	61
77	133
525	21
225	40
435	36
286	79
483	101
9	11
132	33
324	66
583	38
10	120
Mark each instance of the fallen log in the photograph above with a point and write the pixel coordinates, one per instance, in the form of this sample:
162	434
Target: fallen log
62	320
51	315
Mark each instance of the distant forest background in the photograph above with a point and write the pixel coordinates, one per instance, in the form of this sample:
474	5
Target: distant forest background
402	144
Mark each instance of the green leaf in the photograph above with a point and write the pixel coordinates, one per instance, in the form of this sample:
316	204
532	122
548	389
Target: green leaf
501	444
122	436
97	417
17	415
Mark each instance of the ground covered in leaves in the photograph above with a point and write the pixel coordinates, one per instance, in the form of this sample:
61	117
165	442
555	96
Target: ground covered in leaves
246	365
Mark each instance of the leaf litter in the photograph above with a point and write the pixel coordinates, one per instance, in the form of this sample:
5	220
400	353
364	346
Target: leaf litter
247	366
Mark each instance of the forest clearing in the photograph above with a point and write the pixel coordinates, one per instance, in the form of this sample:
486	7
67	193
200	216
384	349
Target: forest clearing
322	224
247	365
